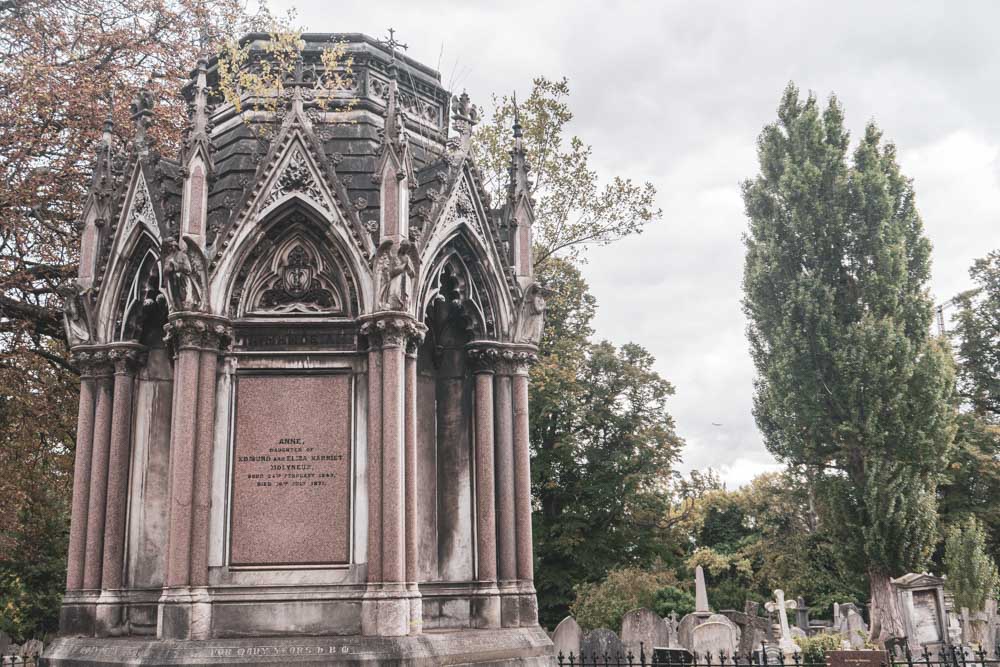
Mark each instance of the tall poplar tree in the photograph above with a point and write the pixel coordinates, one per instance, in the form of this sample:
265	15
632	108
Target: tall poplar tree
850	383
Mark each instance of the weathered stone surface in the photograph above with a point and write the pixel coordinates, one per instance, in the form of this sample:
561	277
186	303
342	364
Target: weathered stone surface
601	642
567	636
488	648
856	658
715	637
644	627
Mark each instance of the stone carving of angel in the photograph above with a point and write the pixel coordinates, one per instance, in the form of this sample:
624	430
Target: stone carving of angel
185	273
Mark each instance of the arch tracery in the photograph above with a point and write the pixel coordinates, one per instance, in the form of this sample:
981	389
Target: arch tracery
294	269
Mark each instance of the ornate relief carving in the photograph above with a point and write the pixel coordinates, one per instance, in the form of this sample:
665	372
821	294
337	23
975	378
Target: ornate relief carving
198	331
395	272
127	357
92	362
185	273
531	318
415	107
392	331
141	210
78	305
296	284
295	177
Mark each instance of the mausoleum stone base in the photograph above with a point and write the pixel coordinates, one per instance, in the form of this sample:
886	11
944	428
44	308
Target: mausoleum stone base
507	646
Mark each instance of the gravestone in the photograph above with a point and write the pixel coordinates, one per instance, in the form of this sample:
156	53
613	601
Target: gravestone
303	408
644	627
779	607
599	643
566	637
802	615
754	629
852	626
672	623
685	628
921	599
4	642
716	636
32	648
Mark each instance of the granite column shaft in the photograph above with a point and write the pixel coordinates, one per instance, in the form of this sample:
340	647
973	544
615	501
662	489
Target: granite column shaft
125	360
97	500
81	478
522	479
202	495
485	500
374	472
393	526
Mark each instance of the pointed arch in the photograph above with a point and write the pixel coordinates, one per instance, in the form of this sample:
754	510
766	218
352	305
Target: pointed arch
294	264
458	274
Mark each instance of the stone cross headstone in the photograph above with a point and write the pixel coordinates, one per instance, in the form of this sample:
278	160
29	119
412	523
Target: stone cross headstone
700	592
567	636
779	606
672	623
851	626
642	627
598	643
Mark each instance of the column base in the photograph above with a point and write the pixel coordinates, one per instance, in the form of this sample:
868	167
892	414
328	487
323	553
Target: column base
388	611
416	611
485	607
510	604
77	616
109	621
528	605
184	613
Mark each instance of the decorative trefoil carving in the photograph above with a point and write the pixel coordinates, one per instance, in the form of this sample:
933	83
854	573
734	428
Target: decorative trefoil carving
295	177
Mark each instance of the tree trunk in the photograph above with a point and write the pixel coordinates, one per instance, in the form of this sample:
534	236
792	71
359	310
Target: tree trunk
886	614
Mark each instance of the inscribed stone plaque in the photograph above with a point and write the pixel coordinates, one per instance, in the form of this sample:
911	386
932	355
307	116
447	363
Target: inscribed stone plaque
856	658
291	486
925	616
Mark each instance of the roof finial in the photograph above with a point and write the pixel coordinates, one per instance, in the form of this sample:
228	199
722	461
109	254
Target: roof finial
392	44
517	118
142	111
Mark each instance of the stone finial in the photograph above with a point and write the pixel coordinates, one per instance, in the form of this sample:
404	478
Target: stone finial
700	592
142	113
519	208
464	116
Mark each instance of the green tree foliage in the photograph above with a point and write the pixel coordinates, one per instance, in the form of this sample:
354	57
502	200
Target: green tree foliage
978	333
574	207
972	574
603	445
673	600
604	604
850	385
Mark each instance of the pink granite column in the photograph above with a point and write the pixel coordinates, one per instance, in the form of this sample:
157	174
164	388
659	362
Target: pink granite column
522	493
183	436
98	496
488	612
81	472
410	439
506	540
126	358
202	496
393	527
374	472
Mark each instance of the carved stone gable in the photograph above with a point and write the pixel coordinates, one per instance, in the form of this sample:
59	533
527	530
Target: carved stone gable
140	210
295	177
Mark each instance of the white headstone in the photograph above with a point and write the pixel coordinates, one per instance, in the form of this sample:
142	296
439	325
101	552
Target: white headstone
779	606
567	636
716	637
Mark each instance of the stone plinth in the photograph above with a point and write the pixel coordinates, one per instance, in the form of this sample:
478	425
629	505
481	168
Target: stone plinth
495	647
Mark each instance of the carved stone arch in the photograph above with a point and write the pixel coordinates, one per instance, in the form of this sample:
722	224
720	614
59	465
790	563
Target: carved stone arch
456	277
296	267
140	305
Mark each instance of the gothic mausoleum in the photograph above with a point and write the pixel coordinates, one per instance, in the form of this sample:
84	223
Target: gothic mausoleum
304	342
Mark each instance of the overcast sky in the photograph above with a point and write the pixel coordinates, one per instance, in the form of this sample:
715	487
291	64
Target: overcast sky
676	93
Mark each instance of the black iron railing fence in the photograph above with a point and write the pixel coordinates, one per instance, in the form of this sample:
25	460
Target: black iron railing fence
946	656
18	661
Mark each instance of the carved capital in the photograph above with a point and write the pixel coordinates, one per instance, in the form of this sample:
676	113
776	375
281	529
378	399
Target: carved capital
92	361
127	357
198	331
393	329
484	358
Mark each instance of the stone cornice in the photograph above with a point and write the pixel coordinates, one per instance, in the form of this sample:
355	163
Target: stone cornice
92	360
